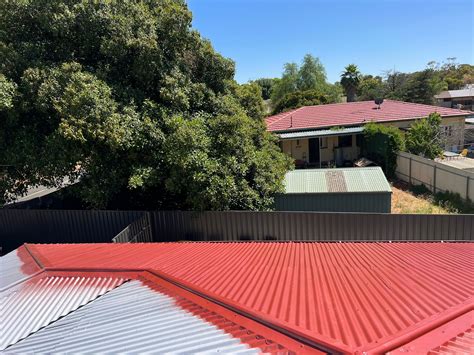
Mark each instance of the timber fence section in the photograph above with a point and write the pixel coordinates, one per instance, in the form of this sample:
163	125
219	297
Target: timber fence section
435	176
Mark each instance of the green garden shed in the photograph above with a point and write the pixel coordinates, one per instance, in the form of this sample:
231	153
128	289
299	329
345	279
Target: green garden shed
336	190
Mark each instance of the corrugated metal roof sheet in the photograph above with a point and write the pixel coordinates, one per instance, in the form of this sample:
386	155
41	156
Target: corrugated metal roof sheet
461	344
16	266
454	337
349	297
353	113
132	318
321	133
33	304
370	179
467	92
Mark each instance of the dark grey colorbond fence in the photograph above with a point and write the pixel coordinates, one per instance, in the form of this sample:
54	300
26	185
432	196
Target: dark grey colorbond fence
306	226
66	226
61	226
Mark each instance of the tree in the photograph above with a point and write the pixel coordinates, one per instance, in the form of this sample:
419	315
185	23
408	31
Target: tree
381	144
288	82
300	98
423	86
126	96
424	137
250	98
310	76
370	88
266	84
350	81
395	84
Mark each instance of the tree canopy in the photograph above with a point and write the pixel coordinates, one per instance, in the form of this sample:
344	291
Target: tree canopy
127	96
267	85
300	98
310	76
418	87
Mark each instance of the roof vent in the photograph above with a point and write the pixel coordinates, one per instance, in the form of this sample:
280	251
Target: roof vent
378	102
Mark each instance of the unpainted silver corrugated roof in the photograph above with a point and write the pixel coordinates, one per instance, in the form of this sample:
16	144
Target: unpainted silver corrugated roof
15	267
467	92
31	305
131	318
370	179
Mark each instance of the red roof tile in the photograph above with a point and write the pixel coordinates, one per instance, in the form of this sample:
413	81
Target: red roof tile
353	113
347	297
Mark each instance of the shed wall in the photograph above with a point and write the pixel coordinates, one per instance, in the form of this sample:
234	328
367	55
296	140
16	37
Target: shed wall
379	202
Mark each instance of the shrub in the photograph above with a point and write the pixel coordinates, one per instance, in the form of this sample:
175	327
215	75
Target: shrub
453	202
424	137
381	145
418	190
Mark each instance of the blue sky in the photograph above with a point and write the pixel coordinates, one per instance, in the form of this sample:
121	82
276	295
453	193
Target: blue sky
262	35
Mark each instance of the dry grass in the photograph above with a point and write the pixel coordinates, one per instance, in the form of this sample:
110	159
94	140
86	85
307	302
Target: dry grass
403	202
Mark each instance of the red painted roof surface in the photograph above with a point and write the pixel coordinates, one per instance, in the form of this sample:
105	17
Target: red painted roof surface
455	337
353	113
39	298
350	297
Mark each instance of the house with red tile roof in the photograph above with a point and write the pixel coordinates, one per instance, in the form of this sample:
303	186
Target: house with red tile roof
331	134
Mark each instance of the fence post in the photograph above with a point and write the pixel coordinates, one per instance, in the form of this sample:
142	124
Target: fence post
434	179
409	173
467	187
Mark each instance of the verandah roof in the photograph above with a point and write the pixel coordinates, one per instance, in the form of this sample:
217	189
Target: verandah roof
321	133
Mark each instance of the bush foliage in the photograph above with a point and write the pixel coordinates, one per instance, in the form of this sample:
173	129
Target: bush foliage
381	145
424	137
130	98
300	98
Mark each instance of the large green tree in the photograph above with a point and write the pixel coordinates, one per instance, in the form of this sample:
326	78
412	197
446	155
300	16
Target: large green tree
310	76
266	84
422	86
128	97
370	88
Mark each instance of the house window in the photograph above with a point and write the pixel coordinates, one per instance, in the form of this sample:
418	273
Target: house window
359	140
323	142
345	141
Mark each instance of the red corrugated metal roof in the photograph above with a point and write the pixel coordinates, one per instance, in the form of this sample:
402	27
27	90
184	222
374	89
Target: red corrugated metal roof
454	337
348	297
248	331
39	299
353	113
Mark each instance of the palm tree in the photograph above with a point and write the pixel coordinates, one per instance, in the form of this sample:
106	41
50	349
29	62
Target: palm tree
350	81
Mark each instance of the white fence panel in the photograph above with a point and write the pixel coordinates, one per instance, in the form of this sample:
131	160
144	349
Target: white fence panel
435	176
